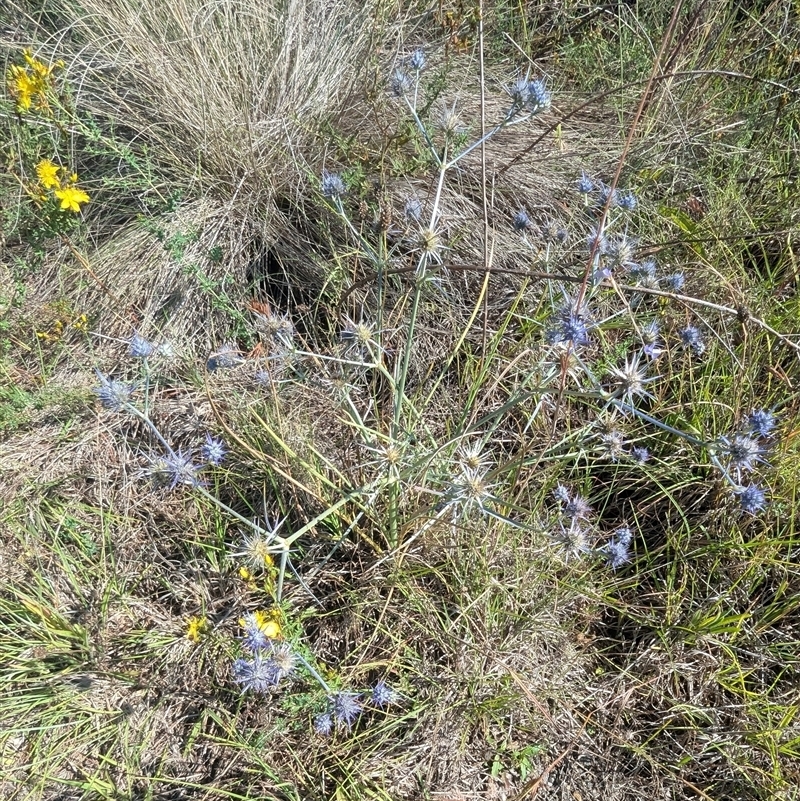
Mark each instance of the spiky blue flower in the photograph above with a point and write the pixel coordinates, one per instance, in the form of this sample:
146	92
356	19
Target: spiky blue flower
332	185
139	347
761	422
617	549
607	197
674	282
692	339
400	83
417	60
752	499
323	724
383	695
227	356
522	222
569	325
180	469
627	201
256	674
213	450
573	540
643	272
413	209
574	506
283	660
519	93
584	184
538	96
254	638
113	394
640	455
596	242
742	452
346	708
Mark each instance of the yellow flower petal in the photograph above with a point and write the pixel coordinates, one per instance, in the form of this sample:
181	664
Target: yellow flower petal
71	198
48	174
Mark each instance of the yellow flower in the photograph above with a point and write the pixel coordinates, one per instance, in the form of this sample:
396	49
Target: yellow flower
71	197
196	628
48	174
81	323
40	70
268	622
22	86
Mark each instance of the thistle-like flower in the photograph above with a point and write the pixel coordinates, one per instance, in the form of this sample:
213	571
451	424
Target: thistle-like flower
283	660
113	394
213	450
257	546
631	379
471	490
471	456
692	339
413	209
752	499
227	356
617	549
613	444
569	326
256	674
332	185
674	282
761	422
572	541
180	469
627	201
640	455
573	506
417	60
255	638
643	273
382	694
346	708
607	196
359	337
584	184
539	98
139	347
522	222
323	724
400	83
742	452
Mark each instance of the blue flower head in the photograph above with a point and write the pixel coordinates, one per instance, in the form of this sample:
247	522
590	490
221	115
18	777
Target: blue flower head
413	209
383	695
332	185
674	282
139	347
225	358
761	422
584	184
692	339
538	97
743	452
346	708
522	222
256	674
254	638
417	60
180	469
113	394
323	724
213	450
400	83
752	499
627	201
640	455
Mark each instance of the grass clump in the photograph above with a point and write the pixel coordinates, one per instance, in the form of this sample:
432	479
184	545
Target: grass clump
388	424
